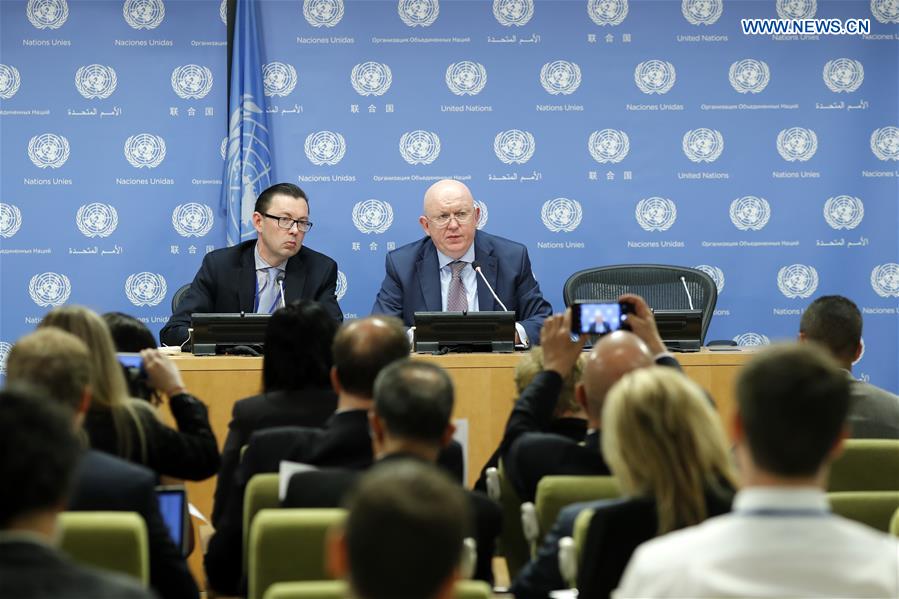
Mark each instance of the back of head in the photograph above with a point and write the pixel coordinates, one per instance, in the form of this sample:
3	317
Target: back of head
531	363
362	348
613	356
662	439
287	189
38	454
793	401
54	360
414	400
834	322
298	347
128	333
404	531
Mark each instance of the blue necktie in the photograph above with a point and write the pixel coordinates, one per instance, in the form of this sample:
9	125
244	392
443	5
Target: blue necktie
269	293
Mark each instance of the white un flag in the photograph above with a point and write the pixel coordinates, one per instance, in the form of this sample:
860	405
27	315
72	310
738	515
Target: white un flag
248	161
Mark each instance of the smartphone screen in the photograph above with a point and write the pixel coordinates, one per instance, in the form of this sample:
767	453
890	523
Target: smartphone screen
130	360
598	318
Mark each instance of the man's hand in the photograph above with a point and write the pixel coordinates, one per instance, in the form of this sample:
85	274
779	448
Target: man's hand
560	353
643	323
162	374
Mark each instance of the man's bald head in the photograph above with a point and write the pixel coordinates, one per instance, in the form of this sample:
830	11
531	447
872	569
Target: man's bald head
447	189
614	356
450	199
362	348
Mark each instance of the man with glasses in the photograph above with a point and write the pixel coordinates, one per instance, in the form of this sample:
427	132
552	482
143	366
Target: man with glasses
436	273
253	275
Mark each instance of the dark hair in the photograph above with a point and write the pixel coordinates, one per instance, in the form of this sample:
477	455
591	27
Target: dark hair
836	323
53	360
404	531
288	189
793	401
362	348
414	399
298	347
128	333
38	453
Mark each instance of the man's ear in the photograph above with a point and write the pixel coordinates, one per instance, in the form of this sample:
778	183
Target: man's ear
376	426
335	381
447	588
839	444
425	225
802	338
257	222
86	396
858	352
580	396
337	560
736	429
447	434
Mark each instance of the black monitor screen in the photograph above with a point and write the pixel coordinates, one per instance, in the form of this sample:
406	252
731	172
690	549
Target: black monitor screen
216	333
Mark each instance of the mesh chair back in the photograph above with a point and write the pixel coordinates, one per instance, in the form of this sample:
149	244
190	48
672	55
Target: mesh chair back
179	295
866	465
114	541
556	492
874	508
660	285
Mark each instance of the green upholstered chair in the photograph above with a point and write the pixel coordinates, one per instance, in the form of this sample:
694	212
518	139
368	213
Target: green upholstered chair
115	541
513	545
874	508
866	465
288	545
261	493
337	589
556	492
894	523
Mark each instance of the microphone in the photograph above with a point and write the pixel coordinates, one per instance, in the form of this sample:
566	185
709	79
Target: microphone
477	268
280	281
689	299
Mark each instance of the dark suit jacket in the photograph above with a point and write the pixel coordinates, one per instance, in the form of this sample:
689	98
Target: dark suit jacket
104	482
874	412
302	407
412	282
226	282
329	488
37	571
343	443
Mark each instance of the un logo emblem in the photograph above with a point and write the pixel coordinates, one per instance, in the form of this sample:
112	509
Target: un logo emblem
323	13
324	147
885	280
702	12
143	14
419	147
483	214
372	216
466	78
885	11
715	273
796	9
797	143
750	213
191	81
418	13
561	215
47	14
95	81
607	12
9	81
560	77
609	145
703	145
749	76
843	75
223	11
340	291
49	289
10	220
844	212
48	150
656	214
192	219
278	78
655	76
371	78
5	348
885	143
752	340
797	281
145	288
97	220
513	12
145	150
514	146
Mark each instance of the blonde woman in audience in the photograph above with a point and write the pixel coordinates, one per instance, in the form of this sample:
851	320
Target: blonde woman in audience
129	427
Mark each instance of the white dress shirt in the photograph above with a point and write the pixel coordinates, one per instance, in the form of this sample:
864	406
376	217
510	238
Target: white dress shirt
777	542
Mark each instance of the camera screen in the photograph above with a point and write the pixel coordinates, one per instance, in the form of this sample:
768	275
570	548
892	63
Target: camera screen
129	360
599	319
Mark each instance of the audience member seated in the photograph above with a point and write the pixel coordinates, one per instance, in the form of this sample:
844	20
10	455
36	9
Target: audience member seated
410	421
781	539
129	335
362	348
403	536
835	322
38	455
59	364
131	428
296	383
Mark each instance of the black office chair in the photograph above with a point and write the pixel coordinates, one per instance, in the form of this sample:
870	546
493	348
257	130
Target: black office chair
179	295
659	284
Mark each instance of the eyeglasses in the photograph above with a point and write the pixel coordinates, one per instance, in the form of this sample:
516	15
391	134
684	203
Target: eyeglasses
462	217
285	222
